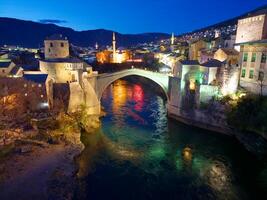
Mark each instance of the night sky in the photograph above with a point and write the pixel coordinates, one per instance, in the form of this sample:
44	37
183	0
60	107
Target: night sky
129	16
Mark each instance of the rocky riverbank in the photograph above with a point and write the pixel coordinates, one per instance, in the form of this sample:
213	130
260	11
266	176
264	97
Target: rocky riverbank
34	174
40	163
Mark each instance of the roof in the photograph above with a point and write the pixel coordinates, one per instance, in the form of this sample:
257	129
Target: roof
190	62
230	51
212	63
30	67
5	63
56	37
264	41
63	60
15	70
37	78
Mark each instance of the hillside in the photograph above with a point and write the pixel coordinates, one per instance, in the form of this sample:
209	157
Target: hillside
32	34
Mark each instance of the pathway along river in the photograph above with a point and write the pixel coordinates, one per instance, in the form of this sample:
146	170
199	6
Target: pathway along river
138	153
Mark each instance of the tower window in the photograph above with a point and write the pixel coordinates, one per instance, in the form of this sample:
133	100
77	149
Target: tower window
49	50
51	44
62	44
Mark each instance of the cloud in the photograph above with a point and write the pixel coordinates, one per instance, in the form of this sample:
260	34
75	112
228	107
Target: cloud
52	21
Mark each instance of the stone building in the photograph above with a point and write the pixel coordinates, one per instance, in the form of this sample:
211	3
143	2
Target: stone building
195	48
228	55
252	28
6	67
253	57
115	55
58	64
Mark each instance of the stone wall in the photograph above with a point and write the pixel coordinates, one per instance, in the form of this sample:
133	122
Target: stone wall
251	29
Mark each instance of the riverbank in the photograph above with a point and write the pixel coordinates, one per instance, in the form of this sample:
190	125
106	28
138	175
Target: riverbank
33	174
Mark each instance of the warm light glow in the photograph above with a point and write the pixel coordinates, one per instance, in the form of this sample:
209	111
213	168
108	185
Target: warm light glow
187	154
192	85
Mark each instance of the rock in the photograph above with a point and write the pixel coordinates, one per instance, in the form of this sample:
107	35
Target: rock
25	149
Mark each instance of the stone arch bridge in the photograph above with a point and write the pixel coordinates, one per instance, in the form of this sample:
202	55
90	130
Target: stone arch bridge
89	91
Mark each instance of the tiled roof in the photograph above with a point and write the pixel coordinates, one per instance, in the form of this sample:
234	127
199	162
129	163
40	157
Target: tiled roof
230	51
4	64
264	41
15	70
212	63
37	78
64	60
190	62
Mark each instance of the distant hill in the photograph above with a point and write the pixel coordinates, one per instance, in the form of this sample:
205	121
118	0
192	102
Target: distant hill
32	34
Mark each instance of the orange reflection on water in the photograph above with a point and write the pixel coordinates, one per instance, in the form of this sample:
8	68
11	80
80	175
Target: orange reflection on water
119	95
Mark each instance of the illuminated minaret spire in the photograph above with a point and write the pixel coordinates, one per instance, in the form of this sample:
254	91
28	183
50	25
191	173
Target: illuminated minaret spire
96	46
172	39
114	46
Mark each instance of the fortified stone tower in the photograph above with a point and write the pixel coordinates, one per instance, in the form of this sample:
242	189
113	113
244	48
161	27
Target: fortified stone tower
56	47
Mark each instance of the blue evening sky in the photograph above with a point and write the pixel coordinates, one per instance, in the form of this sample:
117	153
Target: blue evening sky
129	16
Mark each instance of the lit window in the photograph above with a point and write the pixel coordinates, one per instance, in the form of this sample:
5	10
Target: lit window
253	59
263	58
245	57
39	85
251	74
243	73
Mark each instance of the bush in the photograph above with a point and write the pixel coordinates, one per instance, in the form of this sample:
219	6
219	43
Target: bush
249	114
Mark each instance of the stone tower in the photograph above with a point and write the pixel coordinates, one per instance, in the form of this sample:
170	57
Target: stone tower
56	47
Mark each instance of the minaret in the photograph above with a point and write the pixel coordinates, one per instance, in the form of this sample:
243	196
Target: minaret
114	47
172	39
96	46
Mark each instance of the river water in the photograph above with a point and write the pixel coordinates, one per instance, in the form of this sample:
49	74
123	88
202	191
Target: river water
138	153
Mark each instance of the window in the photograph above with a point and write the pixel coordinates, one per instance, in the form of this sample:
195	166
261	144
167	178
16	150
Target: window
245	57
263	58
261	76
49	50
251	74
62	44
3	70
51	44
243	73
253	59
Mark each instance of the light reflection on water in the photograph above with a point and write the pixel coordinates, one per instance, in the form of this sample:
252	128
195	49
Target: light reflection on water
139	154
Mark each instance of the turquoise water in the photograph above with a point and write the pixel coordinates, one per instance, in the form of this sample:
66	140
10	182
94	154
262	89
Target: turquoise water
138	153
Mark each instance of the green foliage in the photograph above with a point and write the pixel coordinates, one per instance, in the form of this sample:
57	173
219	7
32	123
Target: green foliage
249	114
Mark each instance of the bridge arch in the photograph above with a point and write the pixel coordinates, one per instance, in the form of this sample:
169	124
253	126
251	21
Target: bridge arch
104	80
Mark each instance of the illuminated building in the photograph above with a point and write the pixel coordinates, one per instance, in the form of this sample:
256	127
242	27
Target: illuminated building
253	63
228	55
6	66
195	48
252	28
60	67
114	56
